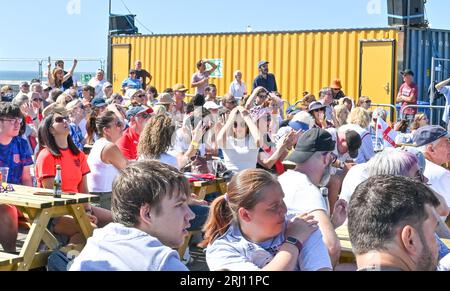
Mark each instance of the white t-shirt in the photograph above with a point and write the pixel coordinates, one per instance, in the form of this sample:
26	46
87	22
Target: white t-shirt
234	252
119	248
300	194
237	90
240	154
439	178
355	176
98	85
165	158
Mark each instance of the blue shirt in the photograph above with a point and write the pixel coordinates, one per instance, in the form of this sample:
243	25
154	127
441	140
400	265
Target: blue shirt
15	156
77	136
270	84
132	83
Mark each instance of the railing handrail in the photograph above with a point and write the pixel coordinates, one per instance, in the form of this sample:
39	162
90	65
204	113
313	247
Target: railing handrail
431	107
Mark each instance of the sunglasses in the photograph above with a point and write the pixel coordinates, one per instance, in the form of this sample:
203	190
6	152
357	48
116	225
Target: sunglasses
140	95
118	123
37	99
333	156
231	101
262	95
60	119
368	101
241	124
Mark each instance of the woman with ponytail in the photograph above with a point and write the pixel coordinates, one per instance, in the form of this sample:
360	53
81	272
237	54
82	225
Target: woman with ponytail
247	230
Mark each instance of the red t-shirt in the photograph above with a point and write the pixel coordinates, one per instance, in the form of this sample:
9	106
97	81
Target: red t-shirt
73	168
408	91
128	144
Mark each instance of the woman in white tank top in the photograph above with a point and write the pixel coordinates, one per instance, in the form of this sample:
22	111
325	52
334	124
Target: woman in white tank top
105	159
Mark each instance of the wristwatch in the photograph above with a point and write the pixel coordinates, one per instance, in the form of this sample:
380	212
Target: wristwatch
293	241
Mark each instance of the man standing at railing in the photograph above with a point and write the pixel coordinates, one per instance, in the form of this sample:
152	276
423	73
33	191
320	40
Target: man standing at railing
407	95
444	88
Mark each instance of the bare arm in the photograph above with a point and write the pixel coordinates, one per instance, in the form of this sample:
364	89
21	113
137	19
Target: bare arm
254	131
26	177
442	84
251	99
330	237
199	83
214	67
70	73
223	133
51	80
112	155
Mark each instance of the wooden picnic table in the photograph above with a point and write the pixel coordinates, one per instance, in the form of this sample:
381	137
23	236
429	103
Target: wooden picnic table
203	188
39	206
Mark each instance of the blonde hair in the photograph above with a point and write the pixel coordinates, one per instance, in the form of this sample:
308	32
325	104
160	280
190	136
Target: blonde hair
359	116
339	110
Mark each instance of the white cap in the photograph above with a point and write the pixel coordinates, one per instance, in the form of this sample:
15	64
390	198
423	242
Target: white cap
211	105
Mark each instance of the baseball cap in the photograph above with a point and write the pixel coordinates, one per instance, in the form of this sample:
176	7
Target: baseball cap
24	84
106	85
428	134
179	87
136	110
262	63
312	141
407	72
297	125
132	71
98	102
354	142
211	105
292	110
316	105
165	98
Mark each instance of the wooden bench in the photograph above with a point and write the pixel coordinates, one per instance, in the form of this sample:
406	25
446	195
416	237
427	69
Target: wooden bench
201	189
9	262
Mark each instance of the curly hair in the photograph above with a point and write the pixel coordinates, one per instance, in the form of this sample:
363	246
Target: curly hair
156	138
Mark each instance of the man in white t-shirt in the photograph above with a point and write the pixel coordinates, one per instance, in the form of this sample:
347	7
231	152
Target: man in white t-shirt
97	82
304	187
433	141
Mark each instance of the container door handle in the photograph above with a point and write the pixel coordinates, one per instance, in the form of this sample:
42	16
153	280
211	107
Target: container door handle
387	88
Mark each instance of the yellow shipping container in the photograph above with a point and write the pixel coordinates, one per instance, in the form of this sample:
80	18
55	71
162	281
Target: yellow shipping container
301	61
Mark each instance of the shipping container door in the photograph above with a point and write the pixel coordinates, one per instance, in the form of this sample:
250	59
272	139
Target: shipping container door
120	64
377	67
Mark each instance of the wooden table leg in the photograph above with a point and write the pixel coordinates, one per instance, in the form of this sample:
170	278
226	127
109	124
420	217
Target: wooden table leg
82	220
34	238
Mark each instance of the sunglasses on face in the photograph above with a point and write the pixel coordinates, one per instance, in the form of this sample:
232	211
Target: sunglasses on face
262	96
60	119
37	99
231	102
118	123
333	156
140	95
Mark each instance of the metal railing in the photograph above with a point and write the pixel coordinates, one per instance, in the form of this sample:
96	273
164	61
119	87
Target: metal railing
41	61
431	107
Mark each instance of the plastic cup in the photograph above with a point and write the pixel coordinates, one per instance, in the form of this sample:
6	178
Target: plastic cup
5	172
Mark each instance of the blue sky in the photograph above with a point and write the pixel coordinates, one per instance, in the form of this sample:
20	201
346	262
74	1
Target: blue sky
43	28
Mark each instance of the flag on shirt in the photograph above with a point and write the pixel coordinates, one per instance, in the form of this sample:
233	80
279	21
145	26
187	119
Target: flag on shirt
386	132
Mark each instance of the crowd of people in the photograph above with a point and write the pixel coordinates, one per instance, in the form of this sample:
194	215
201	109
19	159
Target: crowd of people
295	175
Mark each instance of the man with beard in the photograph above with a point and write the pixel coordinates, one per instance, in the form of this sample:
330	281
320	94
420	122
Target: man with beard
265	79
304	187
391	223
